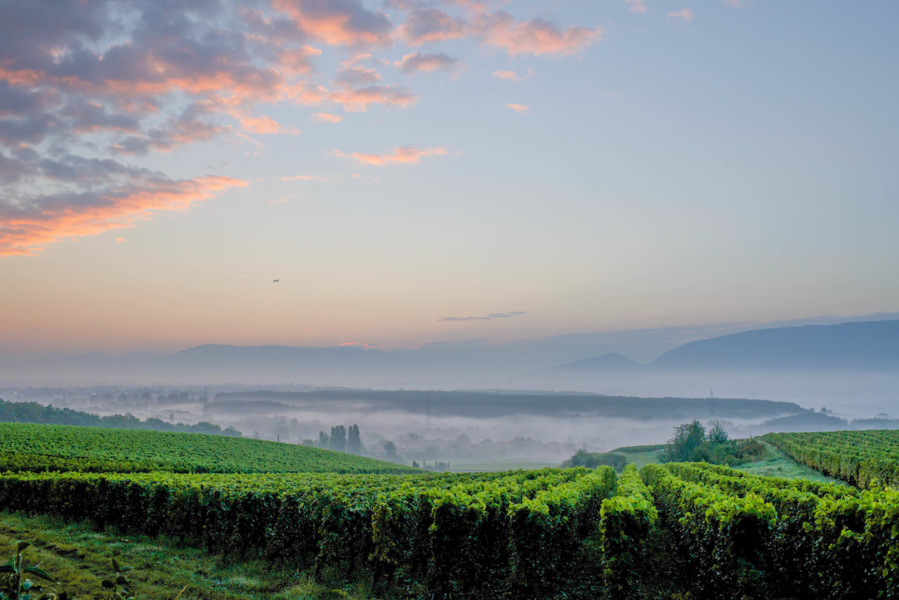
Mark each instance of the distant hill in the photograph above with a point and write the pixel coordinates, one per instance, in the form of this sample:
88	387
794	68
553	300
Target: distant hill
867	346
607	362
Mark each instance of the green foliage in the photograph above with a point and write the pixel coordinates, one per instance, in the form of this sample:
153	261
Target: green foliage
15	583
692	443
626	521
38	448
451	534
118	584
863	458
824	540
592	460
686	440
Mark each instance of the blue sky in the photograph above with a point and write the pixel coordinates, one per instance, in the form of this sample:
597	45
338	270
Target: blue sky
695	163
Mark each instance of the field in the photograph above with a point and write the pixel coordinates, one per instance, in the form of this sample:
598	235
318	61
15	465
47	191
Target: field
27	447
663	531
863	458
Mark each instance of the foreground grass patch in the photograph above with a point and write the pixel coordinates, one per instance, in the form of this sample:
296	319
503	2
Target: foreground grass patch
80	558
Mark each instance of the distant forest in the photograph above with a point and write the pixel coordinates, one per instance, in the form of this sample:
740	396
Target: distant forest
498	404
32	412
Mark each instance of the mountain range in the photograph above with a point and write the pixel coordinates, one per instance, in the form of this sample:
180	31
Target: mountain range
864	345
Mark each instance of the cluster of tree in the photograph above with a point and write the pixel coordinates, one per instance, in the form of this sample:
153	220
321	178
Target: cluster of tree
32	412
692	443
341	440
592	460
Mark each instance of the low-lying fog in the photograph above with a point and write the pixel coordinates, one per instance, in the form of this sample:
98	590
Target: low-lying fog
497	428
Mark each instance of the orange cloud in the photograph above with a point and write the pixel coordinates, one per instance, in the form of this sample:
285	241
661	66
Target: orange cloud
685	14
358	100
295	61
519	108
513	76
266	125
536	36
400	155
345	23
325	118
27	231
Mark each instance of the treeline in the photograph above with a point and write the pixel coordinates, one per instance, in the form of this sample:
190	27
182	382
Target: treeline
341	440
32	412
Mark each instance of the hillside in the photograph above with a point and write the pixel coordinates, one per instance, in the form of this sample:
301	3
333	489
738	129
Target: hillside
607	362
868	346
30	447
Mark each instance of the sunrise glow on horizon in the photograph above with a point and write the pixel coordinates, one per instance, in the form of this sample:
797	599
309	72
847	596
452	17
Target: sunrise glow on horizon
391	173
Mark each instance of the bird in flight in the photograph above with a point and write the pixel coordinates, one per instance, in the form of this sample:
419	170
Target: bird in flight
275	280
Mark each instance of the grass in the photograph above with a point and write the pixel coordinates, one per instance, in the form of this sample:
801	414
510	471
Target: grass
774	464
777	464
80	557
641	459
492	466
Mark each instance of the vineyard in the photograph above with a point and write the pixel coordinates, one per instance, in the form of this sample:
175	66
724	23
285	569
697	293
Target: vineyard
37	448
863	458
708	531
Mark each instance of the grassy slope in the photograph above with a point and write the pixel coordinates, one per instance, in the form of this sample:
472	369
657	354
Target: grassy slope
179	452
778	464
775	464
80	557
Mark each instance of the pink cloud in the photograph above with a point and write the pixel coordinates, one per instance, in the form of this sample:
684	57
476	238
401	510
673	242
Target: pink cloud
513	76
415	62
266	125
325	118
358	100
357	77
638	6
28	230
429	25
339	23
400	155
685	14
519	108
536	36
296	61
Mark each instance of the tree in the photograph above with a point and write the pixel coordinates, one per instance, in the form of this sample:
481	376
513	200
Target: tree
338	438
683	444
354	441
390	449
717	434
324	441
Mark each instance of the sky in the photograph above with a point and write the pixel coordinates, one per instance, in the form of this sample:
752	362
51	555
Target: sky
415	171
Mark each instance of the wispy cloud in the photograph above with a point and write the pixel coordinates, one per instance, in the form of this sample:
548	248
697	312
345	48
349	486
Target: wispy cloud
28	228
537	36
519	108
400	155
684	14
325	118
638	6
415	62
513	76
304	178
359	99
487	318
